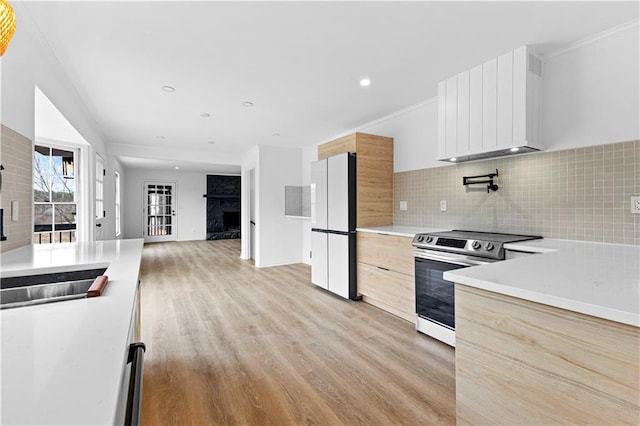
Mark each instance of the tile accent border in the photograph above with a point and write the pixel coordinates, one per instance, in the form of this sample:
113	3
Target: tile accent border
576	194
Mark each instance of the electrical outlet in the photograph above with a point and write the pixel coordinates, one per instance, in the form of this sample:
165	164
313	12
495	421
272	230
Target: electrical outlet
403	205
635	205
443	205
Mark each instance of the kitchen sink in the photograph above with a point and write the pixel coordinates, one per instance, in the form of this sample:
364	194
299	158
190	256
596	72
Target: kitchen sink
46	288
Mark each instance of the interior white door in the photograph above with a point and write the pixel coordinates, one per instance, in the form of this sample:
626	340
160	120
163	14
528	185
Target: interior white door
160	211
319	259
319	194
339	264
338	193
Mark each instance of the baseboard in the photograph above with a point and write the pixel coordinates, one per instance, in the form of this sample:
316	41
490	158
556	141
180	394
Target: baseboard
269	265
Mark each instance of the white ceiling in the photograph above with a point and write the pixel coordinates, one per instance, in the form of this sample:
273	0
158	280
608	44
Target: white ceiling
298	62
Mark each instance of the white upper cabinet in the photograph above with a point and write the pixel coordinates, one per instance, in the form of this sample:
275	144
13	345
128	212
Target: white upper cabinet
492	109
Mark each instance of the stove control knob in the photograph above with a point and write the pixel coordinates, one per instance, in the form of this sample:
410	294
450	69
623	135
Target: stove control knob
420	238
489	247
429	239
476	245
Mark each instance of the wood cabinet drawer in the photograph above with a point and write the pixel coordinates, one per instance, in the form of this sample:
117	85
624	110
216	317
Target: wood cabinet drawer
389	290
388	251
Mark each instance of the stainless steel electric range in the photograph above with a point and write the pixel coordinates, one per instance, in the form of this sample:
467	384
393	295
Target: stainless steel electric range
438	252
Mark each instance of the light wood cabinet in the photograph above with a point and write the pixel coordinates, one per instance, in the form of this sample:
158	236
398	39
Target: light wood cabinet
520	362
386	273
387	251
491	108
374	175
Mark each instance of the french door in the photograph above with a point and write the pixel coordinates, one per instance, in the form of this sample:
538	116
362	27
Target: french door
160	222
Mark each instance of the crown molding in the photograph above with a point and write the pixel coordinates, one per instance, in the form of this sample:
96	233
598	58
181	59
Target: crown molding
592	39
381	119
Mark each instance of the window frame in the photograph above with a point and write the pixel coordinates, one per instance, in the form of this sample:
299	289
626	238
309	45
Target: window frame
118	194
73	232
99	188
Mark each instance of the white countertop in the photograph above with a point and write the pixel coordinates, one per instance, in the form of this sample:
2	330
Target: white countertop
62	362
401	231
597	279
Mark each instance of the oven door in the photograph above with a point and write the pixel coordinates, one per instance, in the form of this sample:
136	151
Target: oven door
434	295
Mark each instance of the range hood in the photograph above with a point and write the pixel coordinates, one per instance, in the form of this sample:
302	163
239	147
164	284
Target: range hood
492	154
491	110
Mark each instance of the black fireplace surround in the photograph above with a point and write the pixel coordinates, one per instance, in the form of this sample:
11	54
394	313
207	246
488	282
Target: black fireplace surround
223	207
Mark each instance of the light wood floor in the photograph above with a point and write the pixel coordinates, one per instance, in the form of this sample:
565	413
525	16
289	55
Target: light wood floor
228	343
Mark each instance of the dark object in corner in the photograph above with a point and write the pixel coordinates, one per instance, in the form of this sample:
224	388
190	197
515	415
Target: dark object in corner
2	237
469	180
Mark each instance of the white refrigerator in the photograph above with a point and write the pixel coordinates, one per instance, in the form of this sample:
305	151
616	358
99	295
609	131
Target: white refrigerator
333	224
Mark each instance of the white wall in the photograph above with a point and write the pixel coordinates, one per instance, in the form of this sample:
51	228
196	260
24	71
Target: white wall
191	209
249	166
309	155
415	135
590	93
278	239
28	62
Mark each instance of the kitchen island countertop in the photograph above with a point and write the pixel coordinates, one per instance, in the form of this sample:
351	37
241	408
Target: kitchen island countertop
63	362
597	279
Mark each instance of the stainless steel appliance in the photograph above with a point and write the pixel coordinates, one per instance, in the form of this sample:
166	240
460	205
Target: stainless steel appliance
438	252
333	224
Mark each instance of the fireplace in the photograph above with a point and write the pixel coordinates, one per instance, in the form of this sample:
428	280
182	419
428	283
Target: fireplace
223	207
231	221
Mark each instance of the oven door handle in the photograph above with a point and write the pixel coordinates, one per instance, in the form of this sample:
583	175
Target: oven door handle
455	260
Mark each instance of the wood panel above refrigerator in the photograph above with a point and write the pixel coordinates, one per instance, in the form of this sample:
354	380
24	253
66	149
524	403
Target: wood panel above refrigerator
374	156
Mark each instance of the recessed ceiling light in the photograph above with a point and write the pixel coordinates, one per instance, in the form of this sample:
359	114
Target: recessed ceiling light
211	142
247	104
453	159
515	149
205	115
177	168
160	137
168	89
365	82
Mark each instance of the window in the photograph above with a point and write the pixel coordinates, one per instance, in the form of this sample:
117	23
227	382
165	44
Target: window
99	187
54	195
117	177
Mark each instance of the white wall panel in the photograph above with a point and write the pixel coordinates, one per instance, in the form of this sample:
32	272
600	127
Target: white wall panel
489	113
504	112
519	95
463	112
451	111
475	109
442	120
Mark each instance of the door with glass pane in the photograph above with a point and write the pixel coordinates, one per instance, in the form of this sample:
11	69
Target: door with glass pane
159	211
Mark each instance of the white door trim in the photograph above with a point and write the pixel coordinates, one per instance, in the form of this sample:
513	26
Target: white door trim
174	222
